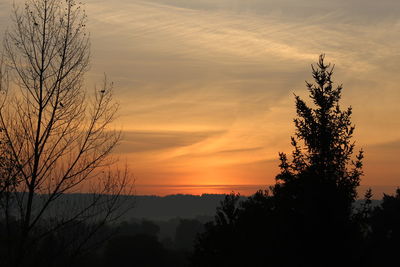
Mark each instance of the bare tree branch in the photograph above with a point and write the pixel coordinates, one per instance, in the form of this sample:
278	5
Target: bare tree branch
56	135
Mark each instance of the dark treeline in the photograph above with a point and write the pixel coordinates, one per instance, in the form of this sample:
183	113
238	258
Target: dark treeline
150	207
243	226
167	207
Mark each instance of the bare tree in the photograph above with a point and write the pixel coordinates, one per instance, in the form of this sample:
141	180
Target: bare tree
56	135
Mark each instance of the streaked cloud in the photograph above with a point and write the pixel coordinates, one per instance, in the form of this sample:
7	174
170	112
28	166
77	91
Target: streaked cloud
142	141
206	86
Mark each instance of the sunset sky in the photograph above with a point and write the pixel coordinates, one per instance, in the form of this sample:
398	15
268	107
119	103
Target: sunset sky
206	86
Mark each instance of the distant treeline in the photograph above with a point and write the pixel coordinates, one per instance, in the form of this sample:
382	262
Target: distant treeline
239	224
157	208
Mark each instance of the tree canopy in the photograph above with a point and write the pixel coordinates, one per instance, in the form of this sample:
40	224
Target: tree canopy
305	219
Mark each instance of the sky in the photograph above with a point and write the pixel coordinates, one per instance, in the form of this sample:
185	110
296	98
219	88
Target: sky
206	87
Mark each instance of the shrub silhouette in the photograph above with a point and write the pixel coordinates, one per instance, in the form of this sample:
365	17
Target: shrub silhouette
384	232
186	232
137	250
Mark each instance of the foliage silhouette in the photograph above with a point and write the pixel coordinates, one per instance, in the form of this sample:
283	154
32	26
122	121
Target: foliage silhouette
384	232
306	219
136	250
219	240
56	137
317	188
186	232
325	131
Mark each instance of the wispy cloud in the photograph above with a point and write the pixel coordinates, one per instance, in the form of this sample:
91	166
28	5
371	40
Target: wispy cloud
206	86
157	141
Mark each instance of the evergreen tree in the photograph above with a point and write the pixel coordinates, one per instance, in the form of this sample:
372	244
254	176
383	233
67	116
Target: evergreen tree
317	187
322	142
306	219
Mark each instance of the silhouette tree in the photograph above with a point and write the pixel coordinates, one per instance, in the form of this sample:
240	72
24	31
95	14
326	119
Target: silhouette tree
317	187
136	250
137	244
219	241
306	217
56	134
7	166
384	232
325	131
186	232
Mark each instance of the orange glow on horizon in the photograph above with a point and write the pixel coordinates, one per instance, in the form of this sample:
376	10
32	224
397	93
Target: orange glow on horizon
206	94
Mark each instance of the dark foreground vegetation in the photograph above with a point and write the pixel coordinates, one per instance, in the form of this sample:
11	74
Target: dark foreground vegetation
240	226
56	139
